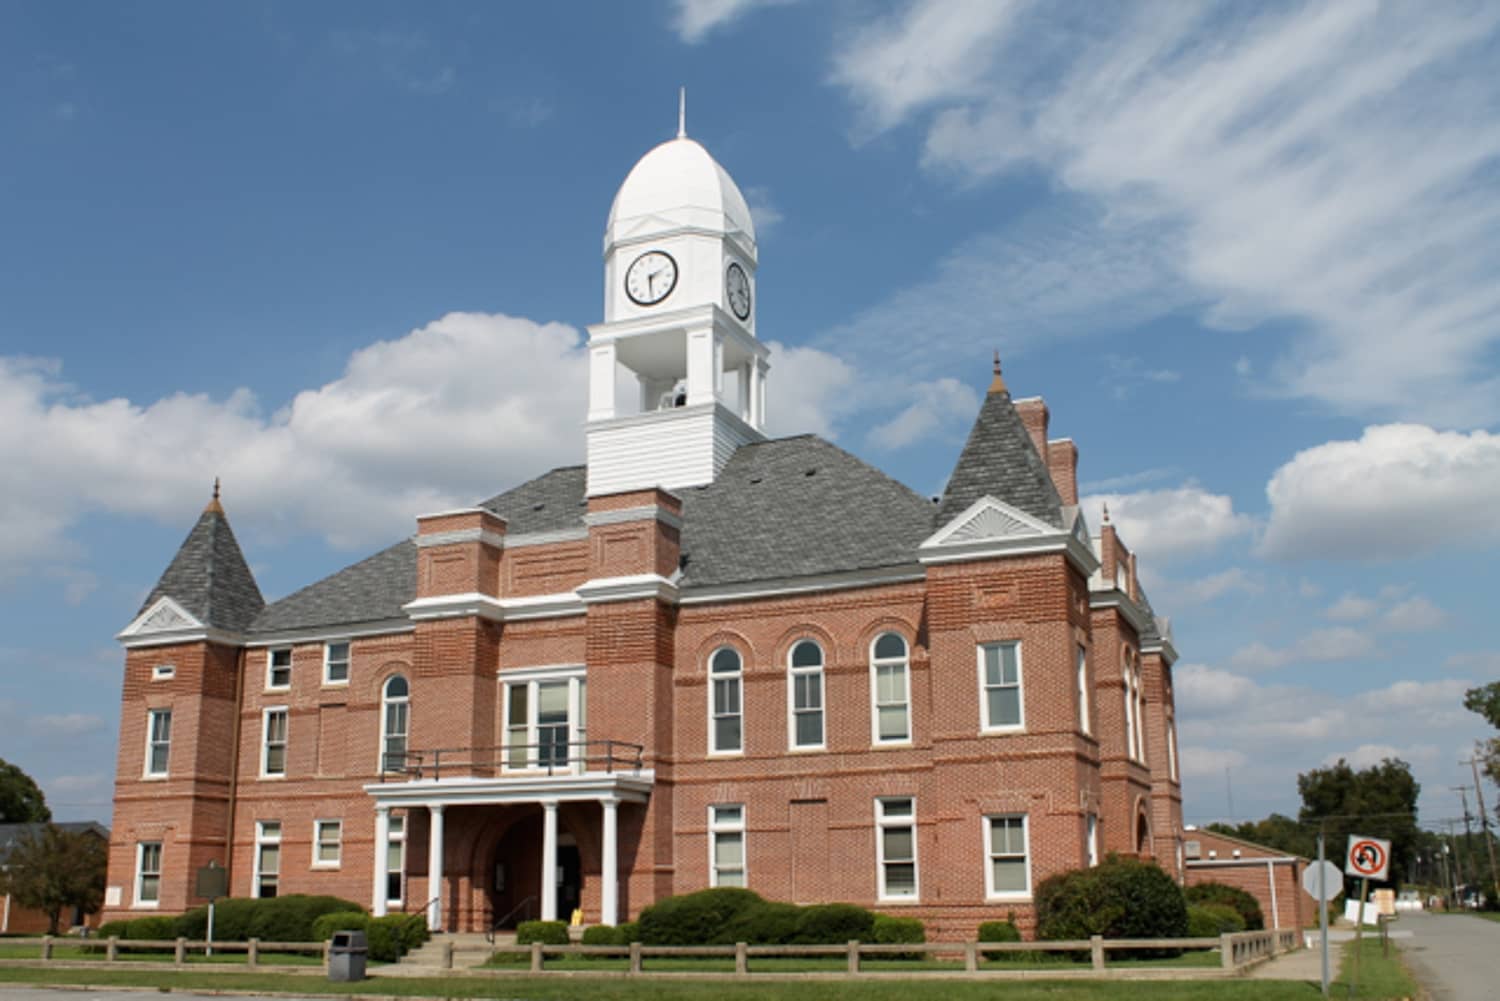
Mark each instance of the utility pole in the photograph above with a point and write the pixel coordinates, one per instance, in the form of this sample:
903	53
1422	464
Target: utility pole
1484	824
1463	794
1458	863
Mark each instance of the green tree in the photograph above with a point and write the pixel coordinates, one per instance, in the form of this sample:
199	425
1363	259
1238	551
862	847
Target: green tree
1379	801
1485	700
21	800
1276	831
50	869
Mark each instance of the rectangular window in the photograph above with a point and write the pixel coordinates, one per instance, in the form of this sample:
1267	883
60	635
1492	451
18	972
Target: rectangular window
726	711
163	672
279	668
726	826
805	693
328	838
335	663
148	873
267	858
273	751
1083	691
544	720
892	706
395	859
896	844
1171	749
158	741
1000	685
1093	840
1009	872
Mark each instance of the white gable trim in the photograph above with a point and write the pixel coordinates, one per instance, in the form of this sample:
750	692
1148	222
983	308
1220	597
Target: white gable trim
989	529
987	519
167	622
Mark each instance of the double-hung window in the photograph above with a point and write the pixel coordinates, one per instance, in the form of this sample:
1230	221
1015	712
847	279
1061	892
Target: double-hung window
279	667
896	848
1083	691
147	873
273	742
890	690
395	858
158	741
336	663
805	695
395	720
267	858
1000	686
1093	839
545	718
725	710
726	835
1008	873
328	839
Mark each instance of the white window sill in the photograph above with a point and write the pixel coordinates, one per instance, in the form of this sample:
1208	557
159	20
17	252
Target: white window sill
998	731
898	901
155	776
897	744
326	865
335	684
149	905
1010	897
740	753
273	778
807	749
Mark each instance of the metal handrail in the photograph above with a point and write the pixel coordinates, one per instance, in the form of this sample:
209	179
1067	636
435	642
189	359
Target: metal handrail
495	925
575	757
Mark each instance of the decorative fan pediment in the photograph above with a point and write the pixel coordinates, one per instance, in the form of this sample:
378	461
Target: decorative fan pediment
164	616
989	520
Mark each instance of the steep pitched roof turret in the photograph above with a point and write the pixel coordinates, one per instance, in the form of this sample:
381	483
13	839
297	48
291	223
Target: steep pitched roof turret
209	576
999	460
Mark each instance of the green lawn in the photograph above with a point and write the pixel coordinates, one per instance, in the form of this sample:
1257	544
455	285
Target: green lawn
95	953
1487	915
568	989
1379	976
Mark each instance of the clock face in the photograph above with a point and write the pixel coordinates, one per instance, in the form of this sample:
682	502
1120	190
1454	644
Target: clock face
651	278
737	290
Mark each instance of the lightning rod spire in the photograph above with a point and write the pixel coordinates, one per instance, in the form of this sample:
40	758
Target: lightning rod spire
682	113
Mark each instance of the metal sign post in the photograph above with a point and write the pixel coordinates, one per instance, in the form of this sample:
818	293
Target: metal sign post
1323	881
1323	905
213	883
1367	858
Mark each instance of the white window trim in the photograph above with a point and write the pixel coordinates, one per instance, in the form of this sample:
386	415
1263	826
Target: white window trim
985	726
136	903
329	682
1140	719
1172	748
395	836
265	743
717	827
260	841
905	661
576	677
385	701
714	750
990	893
271	653
792	674
146	771
163	672
1084	723
1091	833
881	823
317	843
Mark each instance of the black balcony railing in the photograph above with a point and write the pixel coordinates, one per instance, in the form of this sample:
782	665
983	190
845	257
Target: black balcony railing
579	757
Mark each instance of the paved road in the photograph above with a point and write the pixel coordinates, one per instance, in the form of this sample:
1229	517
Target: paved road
1455	956
105	994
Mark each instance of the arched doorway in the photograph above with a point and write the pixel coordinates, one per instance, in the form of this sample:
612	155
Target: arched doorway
516	873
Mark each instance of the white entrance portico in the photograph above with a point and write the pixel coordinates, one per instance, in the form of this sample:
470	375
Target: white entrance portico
442	797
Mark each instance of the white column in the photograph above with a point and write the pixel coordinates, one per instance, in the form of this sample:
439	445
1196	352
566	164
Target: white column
602	381
382	848
549	861
577	753
435	868
700	367
609	868
761	369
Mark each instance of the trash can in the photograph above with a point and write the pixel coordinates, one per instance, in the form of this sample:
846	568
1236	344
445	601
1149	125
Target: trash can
346	956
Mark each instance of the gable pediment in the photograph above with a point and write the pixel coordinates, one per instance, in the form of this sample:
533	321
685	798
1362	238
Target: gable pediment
164	616
989	520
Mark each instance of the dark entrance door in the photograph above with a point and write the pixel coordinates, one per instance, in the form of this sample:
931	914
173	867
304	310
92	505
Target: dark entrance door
569	881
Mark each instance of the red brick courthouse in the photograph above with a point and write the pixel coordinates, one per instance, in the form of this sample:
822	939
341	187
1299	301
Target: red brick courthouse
704	658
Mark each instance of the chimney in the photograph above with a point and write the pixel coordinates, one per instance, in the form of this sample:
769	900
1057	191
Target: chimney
1062	463
1033	412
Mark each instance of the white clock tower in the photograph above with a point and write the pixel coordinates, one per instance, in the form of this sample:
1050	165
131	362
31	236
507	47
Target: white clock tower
679	314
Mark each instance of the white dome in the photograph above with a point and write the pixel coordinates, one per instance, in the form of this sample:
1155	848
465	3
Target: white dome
678	184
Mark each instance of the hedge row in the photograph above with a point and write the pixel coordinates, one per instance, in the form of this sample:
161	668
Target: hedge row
1119	898
1213	920
389	938
727	915
276	919
1242	902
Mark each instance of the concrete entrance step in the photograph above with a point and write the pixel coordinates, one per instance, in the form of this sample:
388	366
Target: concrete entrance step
469	949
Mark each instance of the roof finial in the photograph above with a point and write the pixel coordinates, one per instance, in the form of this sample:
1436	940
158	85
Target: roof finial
214	506
681	112
997	384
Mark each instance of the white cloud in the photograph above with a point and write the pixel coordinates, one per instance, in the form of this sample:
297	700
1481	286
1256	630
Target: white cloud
1202	691
1398	491
69	724
408	59
937	404
1351	608
1368	755
763	211
1414	615
1319	646
1209	588
1206	762
1171	524
1330	165
696	19
808	391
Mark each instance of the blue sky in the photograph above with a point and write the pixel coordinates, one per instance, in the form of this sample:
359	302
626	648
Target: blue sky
343	254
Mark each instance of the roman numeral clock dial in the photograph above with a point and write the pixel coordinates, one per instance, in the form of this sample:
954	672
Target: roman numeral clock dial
651	278
737	290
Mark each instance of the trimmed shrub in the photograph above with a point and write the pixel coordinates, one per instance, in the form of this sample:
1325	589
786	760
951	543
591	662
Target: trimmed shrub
1232	896
834	924
999	931
891	930
383	936
602	935
1225	918
414	931
156	928
1202	923
695	918
630	932
767	923
325	925
1120	898
274	919
545	932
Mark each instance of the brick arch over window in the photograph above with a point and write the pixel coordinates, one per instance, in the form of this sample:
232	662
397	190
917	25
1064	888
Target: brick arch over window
1143	845
372	685
805	631
721	638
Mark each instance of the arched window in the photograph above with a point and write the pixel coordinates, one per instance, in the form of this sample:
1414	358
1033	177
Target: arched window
1143	835
725	709
805	694
890	689
1171	747
395	722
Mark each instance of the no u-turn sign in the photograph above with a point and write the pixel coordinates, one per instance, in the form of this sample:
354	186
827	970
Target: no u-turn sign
1368	858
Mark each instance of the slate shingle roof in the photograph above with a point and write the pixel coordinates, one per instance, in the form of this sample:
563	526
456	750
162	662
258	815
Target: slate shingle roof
209	576
371	590
552	502
1000	460
794	507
